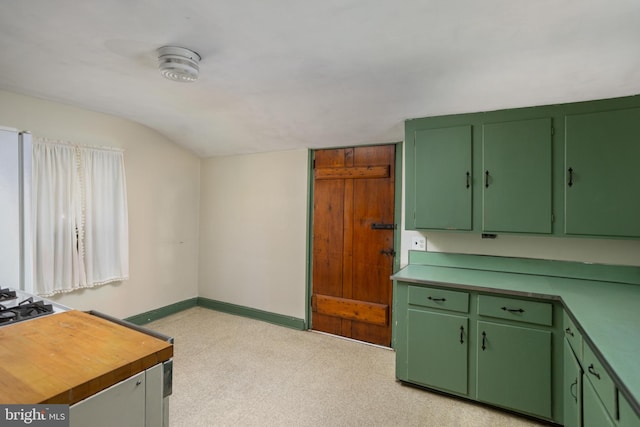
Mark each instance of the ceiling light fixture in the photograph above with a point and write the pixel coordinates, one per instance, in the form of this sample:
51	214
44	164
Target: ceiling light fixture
178	63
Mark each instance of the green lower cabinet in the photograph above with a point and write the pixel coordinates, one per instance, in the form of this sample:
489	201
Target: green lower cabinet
437	350
628	418
594	412
572	385
514	368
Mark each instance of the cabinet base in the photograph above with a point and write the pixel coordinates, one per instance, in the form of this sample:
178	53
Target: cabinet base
471	401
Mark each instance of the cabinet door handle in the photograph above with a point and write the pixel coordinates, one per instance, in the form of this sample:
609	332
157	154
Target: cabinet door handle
486	179
513	310
593	372
484	337
569	331
573	386
468	178
436	299
570	177
461	334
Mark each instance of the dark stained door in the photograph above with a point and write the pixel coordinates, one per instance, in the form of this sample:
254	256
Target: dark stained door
353	230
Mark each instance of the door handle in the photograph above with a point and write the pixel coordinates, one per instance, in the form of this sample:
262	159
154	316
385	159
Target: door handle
593	372
513	310
570	184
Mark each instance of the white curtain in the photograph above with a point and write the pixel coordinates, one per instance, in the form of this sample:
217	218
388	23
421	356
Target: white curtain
106	230
80	217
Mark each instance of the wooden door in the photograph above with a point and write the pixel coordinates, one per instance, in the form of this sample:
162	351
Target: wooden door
353	230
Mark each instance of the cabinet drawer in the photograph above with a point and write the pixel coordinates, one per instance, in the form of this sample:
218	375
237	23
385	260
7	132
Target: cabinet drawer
439	298
515	309
602	383
572	335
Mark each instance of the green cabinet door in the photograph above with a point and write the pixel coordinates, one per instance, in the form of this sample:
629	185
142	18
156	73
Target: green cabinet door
594	413
437	350
516	176
514	368
572	386
602	180
442	173
627	418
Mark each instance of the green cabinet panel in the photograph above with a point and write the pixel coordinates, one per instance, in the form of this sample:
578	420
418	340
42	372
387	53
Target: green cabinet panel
516	168
602	180
442	170
572	386
437	349
573	335
439	298
593	412
628	418
518	310
601	381
514	368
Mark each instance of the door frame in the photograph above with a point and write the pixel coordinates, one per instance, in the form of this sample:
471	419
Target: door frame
397	232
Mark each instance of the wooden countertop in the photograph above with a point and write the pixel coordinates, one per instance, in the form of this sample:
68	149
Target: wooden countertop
69	356
606	312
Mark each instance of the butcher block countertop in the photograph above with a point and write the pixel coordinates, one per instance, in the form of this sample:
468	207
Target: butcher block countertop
69	356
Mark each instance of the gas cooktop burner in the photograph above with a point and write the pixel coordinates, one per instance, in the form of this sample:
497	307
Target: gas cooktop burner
7	294
26	309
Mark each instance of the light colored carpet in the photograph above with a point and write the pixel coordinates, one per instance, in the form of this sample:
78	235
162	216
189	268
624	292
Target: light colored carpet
234	371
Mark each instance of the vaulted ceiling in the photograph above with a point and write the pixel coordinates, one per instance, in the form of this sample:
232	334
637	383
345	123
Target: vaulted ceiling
287	74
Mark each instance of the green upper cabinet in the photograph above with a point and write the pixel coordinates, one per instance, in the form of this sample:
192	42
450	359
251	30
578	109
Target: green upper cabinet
516	168
602	150
442	166
512	171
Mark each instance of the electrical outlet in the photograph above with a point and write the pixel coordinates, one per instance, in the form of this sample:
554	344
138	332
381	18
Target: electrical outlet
419	243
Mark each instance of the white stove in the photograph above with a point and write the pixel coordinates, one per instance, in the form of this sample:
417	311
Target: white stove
17	306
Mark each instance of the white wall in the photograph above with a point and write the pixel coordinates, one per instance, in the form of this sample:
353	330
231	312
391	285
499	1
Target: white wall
253	231
163	186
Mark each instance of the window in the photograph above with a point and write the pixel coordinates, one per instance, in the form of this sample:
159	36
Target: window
80	224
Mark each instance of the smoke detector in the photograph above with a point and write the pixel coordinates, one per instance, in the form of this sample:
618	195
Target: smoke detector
178	63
